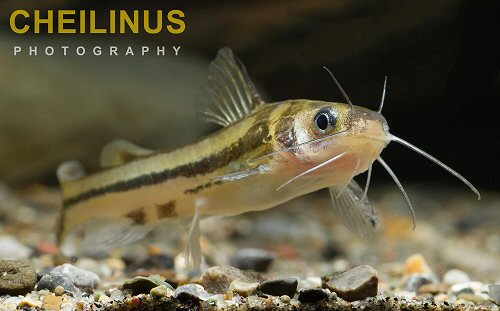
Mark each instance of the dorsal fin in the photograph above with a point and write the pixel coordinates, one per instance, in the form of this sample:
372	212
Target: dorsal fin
229	94
120	151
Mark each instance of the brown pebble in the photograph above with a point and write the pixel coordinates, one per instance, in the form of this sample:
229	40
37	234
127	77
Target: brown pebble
52	303
59	290
416	264
432	288
355	284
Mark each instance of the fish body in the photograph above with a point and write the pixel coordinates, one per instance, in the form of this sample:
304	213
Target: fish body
266	154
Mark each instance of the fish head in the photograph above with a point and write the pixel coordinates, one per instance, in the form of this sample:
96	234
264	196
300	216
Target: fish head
322	131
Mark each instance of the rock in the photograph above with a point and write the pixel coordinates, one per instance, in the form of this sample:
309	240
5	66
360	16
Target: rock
279	287
28	303
416	264
59	290
143	285
495	293
16	277
79	277
472	297
355	284
313	295
217	279
253	259
416	280
52	281
193	292
432	288
52	303
12	249
310	282
285	299
454	276
243	289
469	287
161	291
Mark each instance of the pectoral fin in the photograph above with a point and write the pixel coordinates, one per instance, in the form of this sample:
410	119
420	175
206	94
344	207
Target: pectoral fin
354	211
120	151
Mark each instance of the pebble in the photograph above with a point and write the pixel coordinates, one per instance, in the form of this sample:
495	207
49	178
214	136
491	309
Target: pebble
494	290
455	276
469	287
143	285
59	290
253	259
79	277
285	299
472	297
16	277
244	289
52	281
416	264
161	291
355	284
193	292
278	287
414	281
433	288
28	303
310	282
12	249
52	303
217	279
313	295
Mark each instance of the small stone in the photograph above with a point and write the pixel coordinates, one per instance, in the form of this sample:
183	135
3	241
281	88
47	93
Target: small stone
67	306
313	295
432	288
494	290
17	277
143	285
161	291
469	287
29	303
471	297
279	287
12	249
243	289
285	299
59	290
310	282
116	264
79	277
355	284
416	264
192	292
51	281
104	299
253	259
52	303
116	295
416	280
454	276
217	279
441	297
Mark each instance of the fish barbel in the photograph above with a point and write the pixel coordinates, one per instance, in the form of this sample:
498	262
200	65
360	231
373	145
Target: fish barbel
265	154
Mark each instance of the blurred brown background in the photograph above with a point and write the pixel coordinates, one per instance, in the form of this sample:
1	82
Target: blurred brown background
441	58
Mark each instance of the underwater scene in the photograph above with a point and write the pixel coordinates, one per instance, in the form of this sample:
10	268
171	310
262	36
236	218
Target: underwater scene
249	155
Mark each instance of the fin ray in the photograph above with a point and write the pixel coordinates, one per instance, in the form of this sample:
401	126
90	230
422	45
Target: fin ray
229	94
353	209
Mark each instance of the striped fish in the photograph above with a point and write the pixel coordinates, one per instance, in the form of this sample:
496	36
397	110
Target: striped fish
265	154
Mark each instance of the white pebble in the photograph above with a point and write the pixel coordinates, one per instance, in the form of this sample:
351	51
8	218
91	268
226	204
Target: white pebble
455	276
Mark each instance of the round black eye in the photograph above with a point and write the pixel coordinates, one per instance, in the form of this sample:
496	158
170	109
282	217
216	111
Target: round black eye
324	119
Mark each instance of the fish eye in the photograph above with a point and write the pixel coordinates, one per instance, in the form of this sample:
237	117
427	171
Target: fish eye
324	120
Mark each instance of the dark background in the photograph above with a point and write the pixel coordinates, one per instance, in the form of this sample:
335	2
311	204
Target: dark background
442	59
